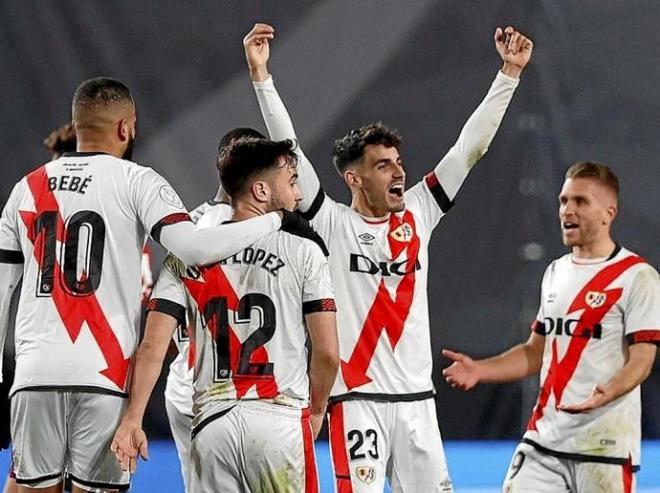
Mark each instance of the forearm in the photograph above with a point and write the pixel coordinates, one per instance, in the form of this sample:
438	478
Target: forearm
202	246
323	370
634	372
10	275
280	127
148	365
476	135
518	362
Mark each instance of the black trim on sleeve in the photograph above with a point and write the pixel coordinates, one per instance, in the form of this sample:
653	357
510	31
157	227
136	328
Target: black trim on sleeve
11	256
29	481
579	457
104	486
310	213
168	307
538	328
366	396
322	305
650	336
439	194
202	424
177	217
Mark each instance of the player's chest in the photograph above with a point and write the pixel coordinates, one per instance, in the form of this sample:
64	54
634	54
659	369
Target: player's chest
576	308
389	249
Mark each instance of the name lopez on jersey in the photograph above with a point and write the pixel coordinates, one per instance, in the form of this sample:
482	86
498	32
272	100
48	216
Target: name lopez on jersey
251	256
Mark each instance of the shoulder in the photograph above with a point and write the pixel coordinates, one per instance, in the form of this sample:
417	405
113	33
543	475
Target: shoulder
304	243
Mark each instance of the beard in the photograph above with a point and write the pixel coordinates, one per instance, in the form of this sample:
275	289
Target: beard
128	153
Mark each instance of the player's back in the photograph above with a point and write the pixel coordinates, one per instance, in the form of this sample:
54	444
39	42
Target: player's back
79	220
250	335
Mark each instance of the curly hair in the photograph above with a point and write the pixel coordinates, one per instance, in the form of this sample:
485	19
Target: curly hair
350	148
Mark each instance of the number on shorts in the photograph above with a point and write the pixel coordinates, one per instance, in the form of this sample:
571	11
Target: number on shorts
94	241
358	438
216	311
516	464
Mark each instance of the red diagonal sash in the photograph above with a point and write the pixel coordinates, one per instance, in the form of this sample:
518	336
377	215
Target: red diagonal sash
214	284
385	313
73	310
561	371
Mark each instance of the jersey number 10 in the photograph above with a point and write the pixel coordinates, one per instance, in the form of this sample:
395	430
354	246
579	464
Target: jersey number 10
86	224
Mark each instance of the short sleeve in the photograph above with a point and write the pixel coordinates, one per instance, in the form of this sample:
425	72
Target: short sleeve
10	246
318	293
157	204
169	294
428	200
642	308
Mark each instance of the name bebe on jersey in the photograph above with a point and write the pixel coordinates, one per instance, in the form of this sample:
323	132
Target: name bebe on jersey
568	327
364	265
68	183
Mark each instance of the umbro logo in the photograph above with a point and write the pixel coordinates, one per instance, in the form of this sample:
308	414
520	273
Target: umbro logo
366	238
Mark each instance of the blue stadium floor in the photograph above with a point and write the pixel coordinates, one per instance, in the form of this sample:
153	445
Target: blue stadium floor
476	467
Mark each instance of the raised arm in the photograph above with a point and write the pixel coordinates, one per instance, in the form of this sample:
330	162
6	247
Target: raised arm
479	130
518	362
257	52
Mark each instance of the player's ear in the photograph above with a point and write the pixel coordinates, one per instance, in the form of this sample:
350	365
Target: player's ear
611	213
260	191
352	178
123	130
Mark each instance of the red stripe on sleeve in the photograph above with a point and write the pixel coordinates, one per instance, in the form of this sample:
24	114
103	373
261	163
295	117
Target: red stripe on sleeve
649	335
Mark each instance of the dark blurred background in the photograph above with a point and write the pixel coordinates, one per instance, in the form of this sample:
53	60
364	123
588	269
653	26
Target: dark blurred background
421	66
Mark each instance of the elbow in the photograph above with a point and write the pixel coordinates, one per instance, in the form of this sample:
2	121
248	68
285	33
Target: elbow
326	360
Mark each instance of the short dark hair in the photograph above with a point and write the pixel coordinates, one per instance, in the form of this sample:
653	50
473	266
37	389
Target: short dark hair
597	171
246	158
100	91
231	136
350	147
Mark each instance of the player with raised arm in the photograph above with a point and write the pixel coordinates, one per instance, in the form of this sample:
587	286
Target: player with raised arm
254	398
382	416
74	229
179	387
593	341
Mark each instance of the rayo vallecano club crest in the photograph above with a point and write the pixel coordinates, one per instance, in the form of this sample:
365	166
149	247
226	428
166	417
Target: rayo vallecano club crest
595	299
403	233
366	474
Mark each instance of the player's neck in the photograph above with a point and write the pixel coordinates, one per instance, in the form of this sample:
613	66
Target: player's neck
359	205
600	249
100	146
247	210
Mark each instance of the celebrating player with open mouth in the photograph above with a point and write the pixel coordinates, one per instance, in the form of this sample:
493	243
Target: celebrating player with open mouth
593	342
382	415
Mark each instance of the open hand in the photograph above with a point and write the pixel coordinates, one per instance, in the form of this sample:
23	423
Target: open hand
598	398
463	373
129	441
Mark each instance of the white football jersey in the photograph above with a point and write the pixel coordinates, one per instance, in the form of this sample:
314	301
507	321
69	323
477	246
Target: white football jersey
179	388
379	268
248	317
590	313
80	223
